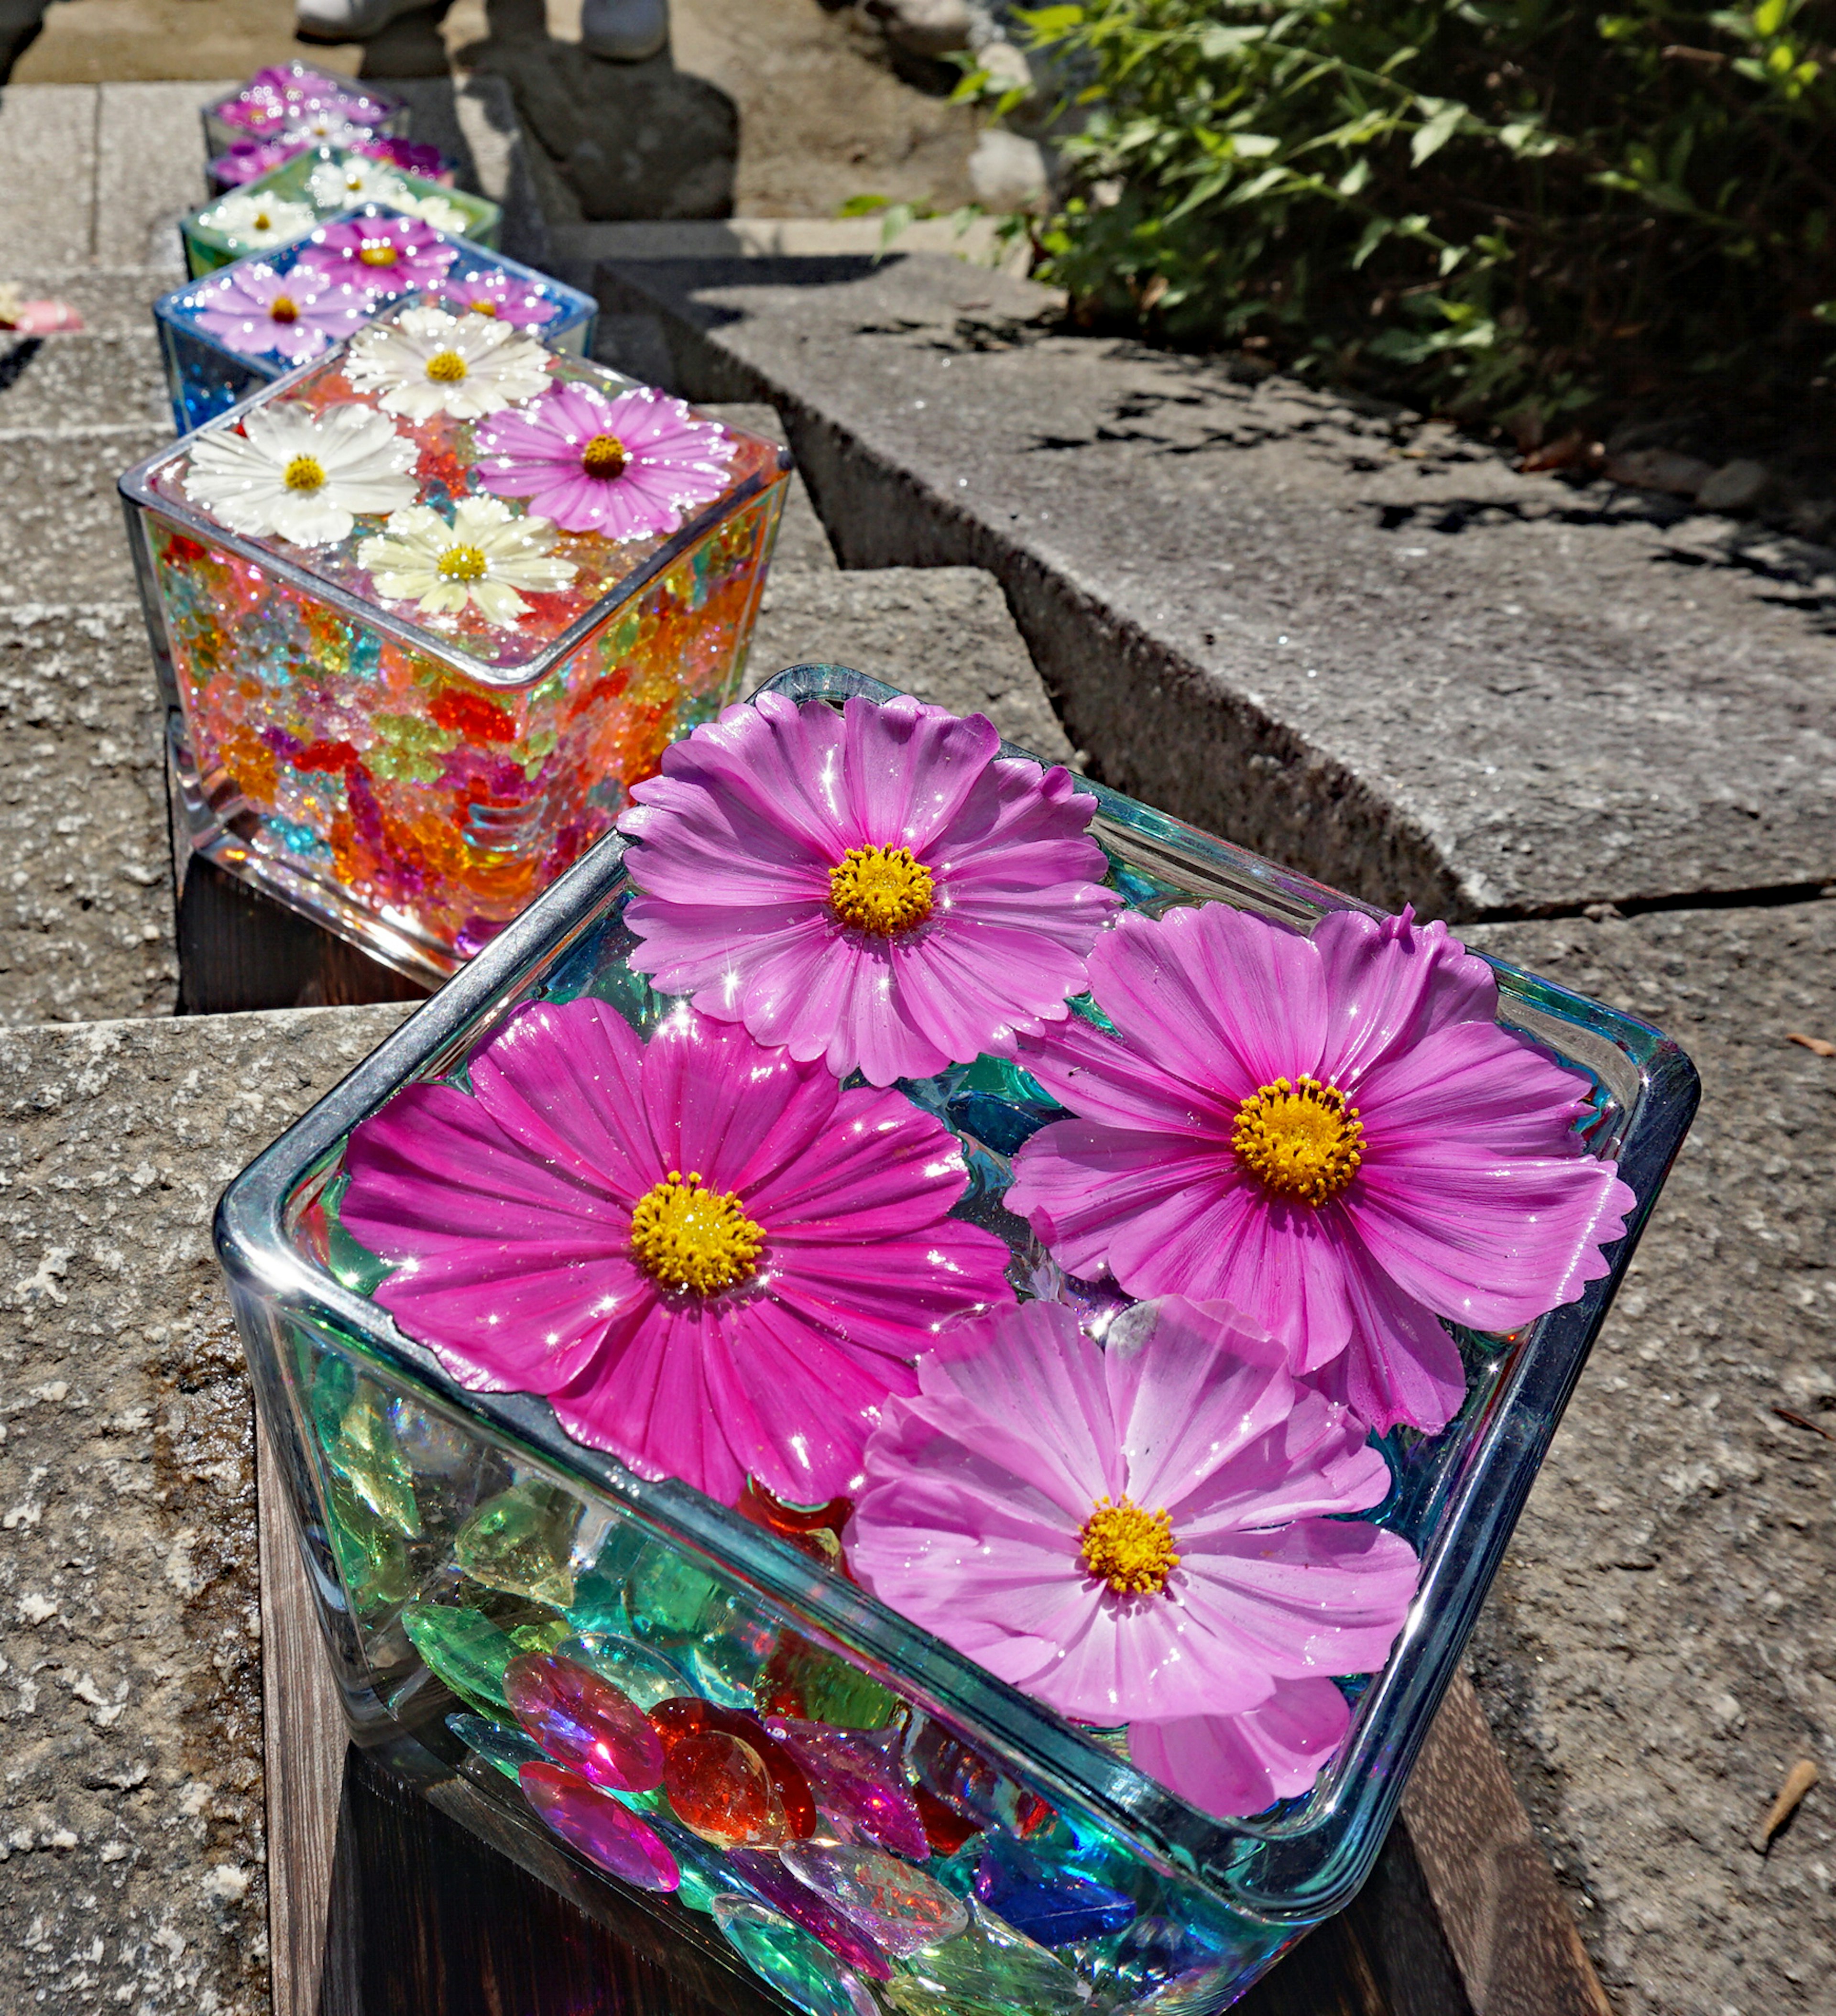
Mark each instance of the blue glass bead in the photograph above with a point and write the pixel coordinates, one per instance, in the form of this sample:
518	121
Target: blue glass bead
1053	1906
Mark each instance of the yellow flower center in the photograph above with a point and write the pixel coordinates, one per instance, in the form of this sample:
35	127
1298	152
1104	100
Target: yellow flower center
484	308
464	563
1129	1548
880	889
686	1236
446	367
281	309
263	221
604	456
376	252
304	472
1299	1140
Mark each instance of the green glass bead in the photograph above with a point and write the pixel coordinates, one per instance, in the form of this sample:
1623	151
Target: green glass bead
599	1602
365	1453
359	1270
991	1970
646	1676
667	1593
371	1558
543	1634
508	1748
803	1680
465	1651
795	1962
732	1644
331	1387
519	1541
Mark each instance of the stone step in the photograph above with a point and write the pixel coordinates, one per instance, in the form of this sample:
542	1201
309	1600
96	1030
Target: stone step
61	538
83	380
86	915
113	300
1359	644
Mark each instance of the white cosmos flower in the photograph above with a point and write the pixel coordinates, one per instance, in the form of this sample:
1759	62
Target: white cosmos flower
291	475
337	185
433	209
259	222
427	362
483	557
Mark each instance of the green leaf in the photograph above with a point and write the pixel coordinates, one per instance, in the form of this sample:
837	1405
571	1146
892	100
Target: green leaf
1375	232
1254	146
1770	16
1431	138
863	206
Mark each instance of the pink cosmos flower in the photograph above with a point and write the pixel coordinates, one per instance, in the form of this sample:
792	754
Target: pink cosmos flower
500	294
254	311
285	96
629	467
382	254
1331	1134
710	1258
879	887
1234	1765
1140	1530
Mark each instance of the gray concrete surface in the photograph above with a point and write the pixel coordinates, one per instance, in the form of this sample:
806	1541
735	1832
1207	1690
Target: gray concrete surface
130	1808
83	379
1660	1647
61	536
1361	646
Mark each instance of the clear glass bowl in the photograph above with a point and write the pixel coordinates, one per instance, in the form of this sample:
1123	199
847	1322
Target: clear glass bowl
519	1524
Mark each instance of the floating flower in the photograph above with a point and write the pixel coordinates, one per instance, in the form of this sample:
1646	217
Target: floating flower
338	185
503	298
1233	1765
438	210
291	96
712	1259
384	255
427	362
1332	1134
290	475
1147	1529
878	887
483	557
627	467
257	223
254	310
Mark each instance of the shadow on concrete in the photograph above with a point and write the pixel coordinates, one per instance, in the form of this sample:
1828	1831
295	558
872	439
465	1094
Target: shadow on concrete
629	140
20	22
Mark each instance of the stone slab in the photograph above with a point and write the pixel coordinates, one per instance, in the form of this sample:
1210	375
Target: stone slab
149	170
1362	646
83	379
474	120
130	1807
802	543
48	141
86	896
942	633
113	300
61	535
1660	1646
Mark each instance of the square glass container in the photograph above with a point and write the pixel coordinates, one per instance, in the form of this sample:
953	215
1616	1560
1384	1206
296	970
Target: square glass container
248	160
447	1530
411	780
286	206
299	97
207	374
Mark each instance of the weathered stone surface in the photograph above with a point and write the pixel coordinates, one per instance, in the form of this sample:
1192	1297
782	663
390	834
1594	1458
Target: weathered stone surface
47	175
802	543
474	119
942	633
86	915
1661	1646
149	170
61	537
82	380
130	1812
1366	648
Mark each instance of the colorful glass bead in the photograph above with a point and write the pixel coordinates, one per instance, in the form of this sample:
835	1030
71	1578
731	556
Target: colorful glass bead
945	1828
582	1720
860	1789
814	1530
666	1594
717	1787
898	1906
497	1743
766	1873
802	1680
990	1970
519	1541
541	1634
1053	1906
970	1784
365	1453
687	1715
464	1650
602	1829
370	1555
793	1961
646	1676
432	1447
732	1642
1157	1957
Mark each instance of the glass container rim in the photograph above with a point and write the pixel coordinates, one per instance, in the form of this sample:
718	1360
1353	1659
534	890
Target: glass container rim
1294	1867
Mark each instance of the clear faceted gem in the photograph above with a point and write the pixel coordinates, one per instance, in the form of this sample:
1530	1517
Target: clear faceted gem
899	1907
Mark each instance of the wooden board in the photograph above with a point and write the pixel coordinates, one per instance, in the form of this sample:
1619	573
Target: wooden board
379	1903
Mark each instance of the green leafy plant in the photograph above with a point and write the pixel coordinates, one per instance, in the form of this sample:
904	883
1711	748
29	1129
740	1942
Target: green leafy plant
1521	208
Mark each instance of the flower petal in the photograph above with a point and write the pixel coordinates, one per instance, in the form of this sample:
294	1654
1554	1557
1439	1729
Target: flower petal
1237	1764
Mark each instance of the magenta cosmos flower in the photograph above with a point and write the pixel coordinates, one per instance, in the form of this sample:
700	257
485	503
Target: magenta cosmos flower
1143	1530
1233	1765
499	294
1331	1134
627	467
880	887
710	1258
255	311
382	255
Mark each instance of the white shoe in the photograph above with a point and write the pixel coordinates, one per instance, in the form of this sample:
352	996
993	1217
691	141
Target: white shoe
624	30
348	20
